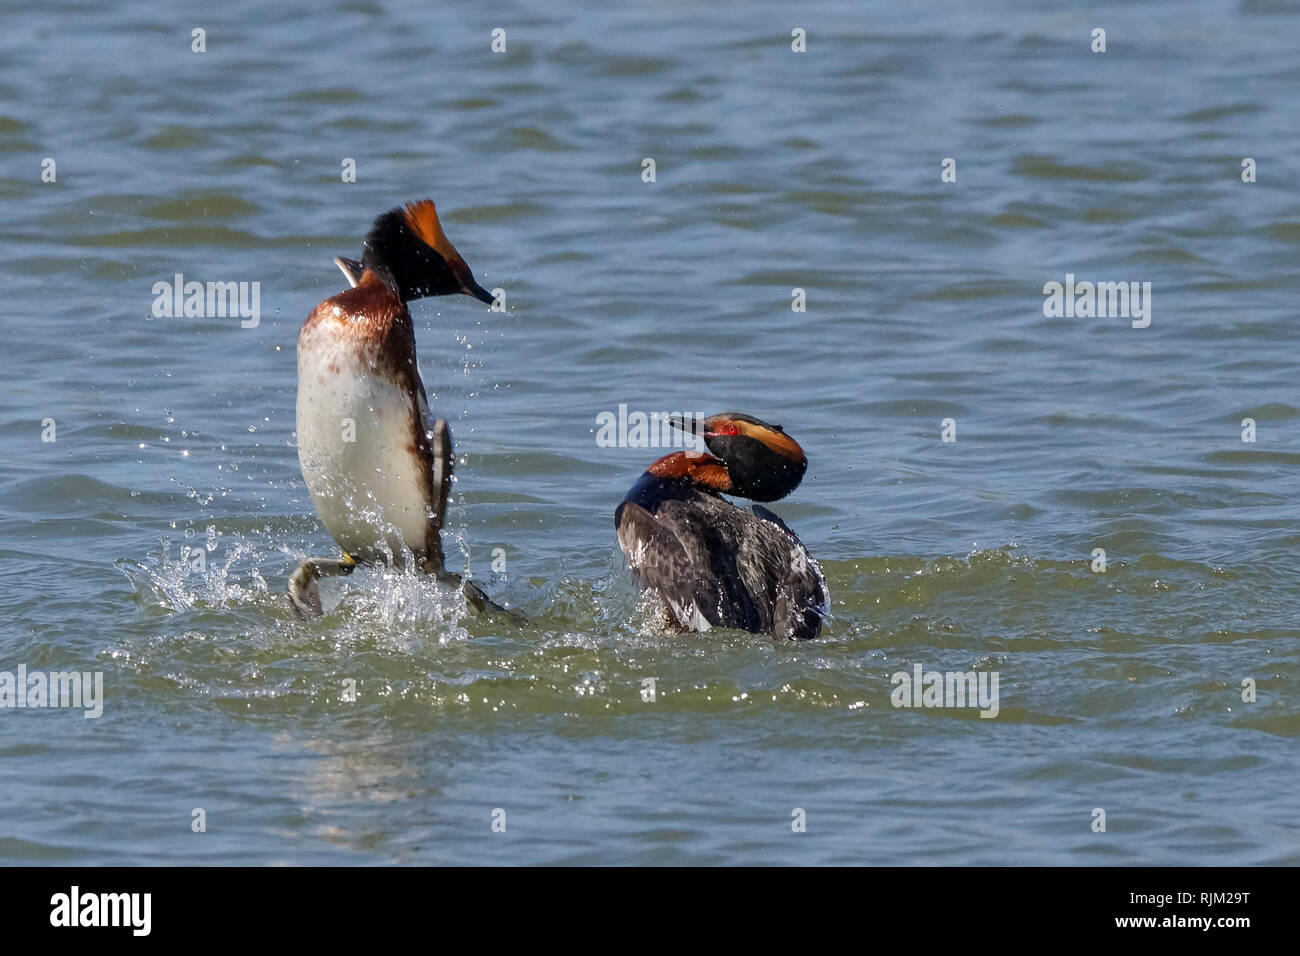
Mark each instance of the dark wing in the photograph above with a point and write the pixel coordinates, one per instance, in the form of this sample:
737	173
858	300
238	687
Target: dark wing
799	600
433	448
679	553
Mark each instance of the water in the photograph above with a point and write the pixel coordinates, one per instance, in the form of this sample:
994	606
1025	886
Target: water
1120	690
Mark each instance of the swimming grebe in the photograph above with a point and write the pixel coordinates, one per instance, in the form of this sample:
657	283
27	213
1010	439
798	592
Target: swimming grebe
712	563
378	470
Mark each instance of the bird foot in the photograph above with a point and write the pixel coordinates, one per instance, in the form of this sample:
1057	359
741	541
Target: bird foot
304	593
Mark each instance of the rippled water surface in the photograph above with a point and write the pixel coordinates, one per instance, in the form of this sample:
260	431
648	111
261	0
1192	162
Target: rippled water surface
775	170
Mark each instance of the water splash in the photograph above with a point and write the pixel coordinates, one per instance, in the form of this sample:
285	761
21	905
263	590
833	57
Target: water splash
192	575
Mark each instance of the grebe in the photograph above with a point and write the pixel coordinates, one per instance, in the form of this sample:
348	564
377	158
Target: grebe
377	469
712	563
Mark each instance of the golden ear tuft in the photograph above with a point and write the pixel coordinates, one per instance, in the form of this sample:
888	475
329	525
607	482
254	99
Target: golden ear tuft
778	441
422	217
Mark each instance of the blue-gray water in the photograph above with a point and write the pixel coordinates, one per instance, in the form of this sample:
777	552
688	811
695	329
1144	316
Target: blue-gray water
775	170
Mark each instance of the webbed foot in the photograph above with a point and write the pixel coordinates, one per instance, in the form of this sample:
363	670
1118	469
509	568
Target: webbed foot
304	593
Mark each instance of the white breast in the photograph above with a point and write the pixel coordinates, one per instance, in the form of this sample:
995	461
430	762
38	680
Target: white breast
355	446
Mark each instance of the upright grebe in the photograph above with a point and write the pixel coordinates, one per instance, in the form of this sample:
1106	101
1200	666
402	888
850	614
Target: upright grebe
712	563
377	469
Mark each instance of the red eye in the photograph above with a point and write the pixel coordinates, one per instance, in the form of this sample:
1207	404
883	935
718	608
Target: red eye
726	430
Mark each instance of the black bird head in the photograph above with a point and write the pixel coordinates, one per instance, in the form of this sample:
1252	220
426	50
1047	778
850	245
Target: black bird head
763	462
408	249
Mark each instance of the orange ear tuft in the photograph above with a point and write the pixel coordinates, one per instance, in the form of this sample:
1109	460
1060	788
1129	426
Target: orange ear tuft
779	442
422	217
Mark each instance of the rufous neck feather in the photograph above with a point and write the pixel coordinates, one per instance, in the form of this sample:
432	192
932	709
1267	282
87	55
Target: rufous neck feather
699	469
